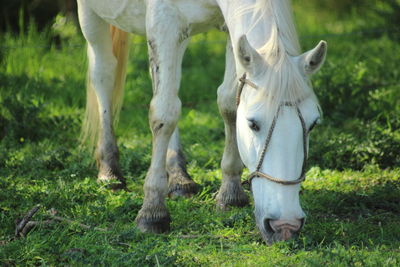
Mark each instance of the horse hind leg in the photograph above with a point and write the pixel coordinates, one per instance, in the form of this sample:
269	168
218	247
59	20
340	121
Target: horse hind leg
179	181
99	110
231	192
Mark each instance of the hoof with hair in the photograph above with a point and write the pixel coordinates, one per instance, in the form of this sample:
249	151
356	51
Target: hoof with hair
153	220
114	181
231	194
187	189
181	185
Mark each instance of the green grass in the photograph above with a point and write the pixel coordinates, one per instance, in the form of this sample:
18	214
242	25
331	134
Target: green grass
351	195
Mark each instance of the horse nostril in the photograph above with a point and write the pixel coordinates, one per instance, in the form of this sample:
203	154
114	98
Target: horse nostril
267	225
280	230
293	226
303	221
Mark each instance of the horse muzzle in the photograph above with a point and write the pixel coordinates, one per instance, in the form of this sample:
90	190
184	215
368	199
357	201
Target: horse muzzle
280	230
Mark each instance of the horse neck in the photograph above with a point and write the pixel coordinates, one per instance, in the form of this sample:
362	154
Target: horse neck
257	33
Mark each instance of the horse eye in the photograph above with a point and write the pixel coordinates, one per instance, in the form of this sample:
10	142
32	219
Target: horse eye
253	125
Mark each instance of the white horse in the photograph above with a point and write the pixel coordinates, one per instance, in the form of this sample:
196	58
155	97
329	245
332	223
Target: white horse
267	129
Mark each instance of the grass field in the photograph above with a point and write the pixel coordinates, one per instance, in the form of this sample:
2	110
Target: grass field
352	192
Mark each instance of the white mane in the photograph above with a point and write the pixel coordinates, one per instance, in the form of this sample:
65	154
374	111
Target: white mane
283	78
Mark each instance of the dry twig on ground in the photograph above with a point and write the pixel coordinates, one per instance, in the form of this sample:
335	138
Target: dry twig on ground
25	225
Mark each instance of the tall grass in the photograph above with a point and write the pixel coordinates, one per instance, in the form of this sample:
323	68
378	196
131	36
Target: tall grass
350	196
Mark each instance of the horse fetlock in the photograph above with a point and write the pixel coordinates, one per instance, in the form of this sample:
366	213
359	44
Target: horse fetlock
231	194
153	219
107	150
109	171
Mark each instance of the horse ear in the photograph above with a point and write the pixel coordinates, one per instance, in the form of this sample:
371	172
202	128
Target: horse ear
313	60
248	56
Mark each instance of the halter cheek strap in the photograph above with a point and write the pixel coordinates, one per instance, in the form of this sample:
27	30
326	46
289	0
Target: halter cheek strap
240	88
257	173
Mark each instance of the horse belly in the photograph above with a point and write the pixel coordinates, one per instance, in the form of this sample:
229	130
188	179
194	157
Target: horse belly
201	15
128	15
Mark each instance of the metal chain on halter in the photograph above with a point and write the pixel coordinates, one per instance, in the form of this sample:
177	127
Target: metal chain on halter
257	172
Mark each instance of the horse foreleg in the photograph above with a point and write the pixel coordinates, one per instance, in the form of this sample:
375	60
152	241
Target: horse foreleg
179	181
231	192
102	65
167	41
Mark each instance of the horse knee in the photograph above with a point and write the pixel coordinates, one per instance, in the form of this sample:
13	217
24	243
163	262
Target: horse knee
164	114
226	101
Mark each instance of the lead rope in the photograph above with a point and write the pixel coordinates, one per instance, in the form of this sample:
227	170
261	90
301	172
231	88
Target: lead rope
305	149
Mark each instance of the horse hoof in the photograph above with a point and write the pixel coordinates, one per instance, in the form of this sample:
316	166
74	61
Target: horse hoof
187	189
231	198
156	223
113	183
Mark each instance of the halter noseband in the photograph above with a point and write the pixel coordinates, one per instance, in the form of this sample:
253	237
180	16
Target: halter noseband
257	172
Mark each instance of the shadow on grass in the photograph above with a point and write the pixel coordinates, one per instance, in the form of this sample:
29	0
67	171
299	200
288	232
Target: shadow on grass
353	218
